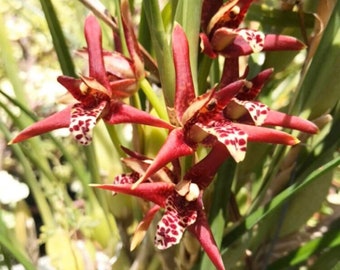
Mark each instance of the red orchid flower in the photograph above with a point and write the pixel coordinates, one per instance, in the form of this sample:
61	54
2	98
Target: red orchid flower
182	204
222	35
123	72
96	95
228	115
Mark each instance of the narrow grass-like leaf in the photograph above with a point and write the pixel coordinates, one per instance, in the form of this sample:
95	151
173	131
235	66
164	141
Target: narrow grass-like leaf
162	50
203	72
261	213
319	91
10	245
62	50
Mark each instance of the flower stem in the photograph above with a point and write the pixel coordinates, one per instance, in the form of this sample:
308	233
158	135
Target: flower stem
156	103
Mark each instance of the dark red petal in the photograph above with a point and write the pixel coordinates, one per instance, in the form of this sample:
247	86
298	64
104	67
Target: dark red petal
203	172
55	121
123	113
206	46
131	41
276	118
282	43
123	88
153	192
185	91
257	84
72	85
225	94
204	235
271	43
93	37
267	135
174	147
230	71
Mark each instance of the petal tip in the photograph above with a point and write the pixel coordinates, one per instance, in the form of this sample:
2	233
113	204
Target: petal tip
12	141
296	141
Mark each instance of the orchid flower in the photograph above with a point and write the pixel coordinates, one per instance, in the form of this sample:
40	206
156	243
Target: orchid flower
222	35
182	203
228	115
99	94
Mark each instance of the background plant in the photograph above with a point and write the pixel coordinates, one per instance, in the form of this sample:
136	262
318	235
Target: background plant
279	207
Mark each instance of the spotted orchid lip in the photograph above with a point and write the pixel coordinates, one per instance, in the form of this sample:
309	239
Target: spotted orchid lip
55	121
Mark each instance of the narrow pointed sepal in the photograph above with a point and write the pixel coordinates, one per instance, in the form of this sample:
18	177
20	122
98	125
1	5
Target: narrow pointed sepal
225	94
174	147
275	118
204	235
203	172
93	37
185	92
252	91
122	113
267	135
206	47
282	43
73	86
154	192
55	121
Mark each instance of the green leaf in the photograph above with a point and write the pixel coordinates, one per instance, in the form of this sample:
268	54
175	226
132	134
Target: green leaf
64	57
319	91
263	212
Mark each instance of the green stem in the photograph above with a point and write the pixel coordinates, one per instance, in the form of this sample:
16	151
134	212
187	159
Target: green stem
153	99
62	50
115	139
10	246
95	176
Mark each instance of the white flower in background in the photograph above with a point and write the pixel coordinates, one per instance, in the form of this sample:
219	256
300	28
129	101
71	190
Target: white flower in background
11	190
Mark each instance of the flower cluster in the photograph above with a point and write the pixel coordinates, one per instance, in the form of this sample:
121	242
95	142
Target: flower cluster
223	119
